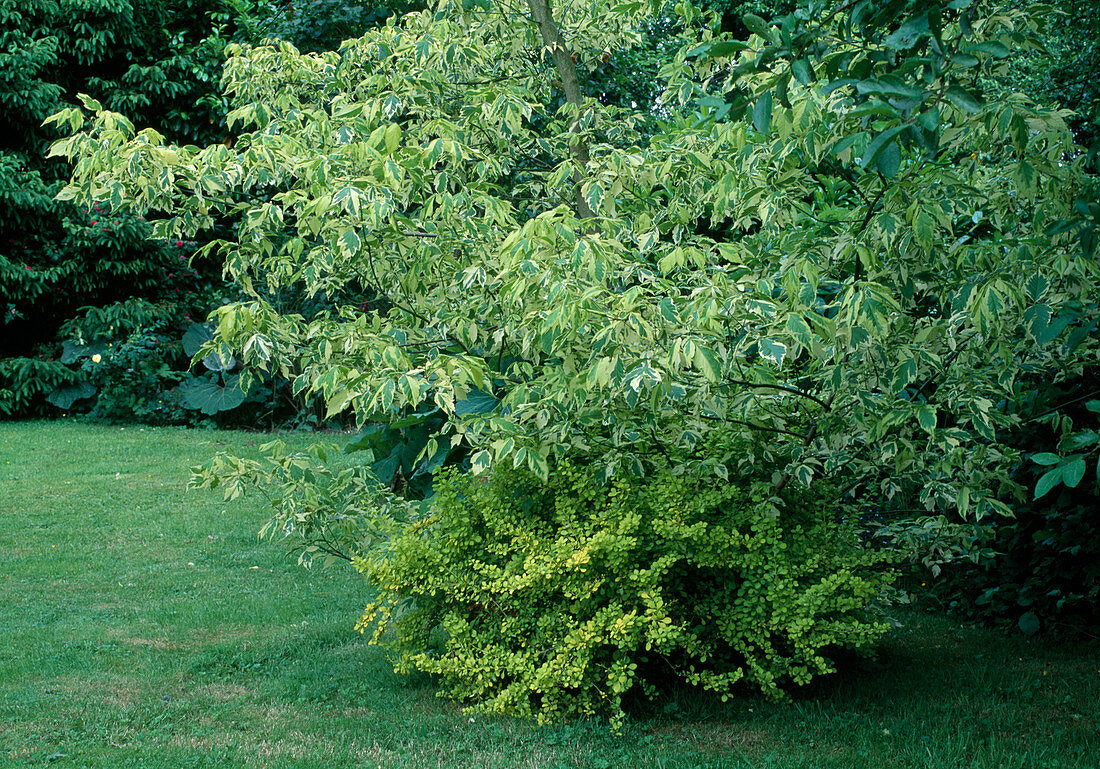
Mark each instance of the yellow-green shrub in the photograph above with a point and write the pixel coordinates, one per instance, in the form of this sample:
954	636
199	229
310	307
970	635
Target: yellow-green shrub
557	599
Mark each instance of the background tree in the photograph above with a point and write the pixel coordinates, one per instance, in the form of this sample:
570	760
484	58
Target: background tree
1066	71
89	275
158	60
322	25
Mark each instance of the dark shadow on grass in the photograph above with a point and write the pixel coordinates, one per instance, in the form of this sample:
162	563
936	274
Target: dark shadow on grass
921	665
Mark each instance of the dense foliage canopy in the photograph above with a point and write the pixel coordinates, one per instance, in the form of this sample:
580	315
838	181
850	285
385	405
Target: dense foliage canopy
89	273
858	279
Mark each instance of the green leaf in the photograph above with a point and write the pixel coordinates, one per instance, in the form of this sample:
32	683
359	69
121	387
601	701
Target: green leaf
889	86
926	416
889	160
537	464
930	119
904	374
800	329
1046	458
756	25
349	243
385	469
1048	481
963	501
377	437
1081	440
1029	623
878	144
219	361
803	71
782	91
1073	472
844	144
504	447
414	419
393	137
196	335
994	48
64	397
209	397
476	402
706	362
1026	178
909	33
1054	329
762	112
923	225
480	462
593	196
964	100
873	109
773	350
349	199
520	457
722	48
1037	318
1037	286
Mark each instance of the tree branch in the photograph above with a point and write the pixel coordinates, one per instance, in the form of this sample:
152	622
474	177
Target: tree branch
567	70
809	438
781	388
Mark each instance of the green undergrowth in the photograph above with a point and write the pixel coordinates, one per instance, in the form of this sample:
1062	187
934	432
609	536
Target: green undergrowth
147	626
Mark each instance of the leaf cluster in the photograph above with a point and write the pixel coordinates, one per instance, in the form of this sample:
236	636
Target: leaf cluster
325	503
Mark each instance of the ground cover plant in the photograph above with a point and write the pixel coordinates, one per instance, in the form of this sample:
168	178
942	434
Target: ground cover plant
137	632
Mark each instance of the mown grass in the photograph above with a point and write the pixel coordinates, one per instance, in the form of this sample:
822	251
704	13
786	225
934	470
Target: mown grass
144	625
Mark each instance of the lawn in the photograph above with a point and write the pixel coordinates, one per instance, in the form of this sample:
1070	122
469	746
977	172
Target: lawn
145	625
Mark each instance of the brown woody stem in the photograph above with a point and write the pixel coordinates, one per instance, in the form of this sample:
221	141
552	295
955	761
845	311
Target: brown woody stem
543	17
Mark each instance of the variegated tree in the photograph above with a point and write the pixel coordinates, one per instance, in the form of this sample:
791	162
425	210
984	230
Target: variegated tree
833	260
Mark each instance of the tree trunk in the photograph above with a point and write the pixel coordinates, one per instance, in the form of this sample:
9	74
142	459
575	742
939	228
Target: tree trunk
567	71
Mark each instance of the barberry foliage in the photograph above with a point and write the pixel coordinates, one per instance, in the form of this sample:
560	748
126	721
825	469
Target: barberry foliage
569	598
